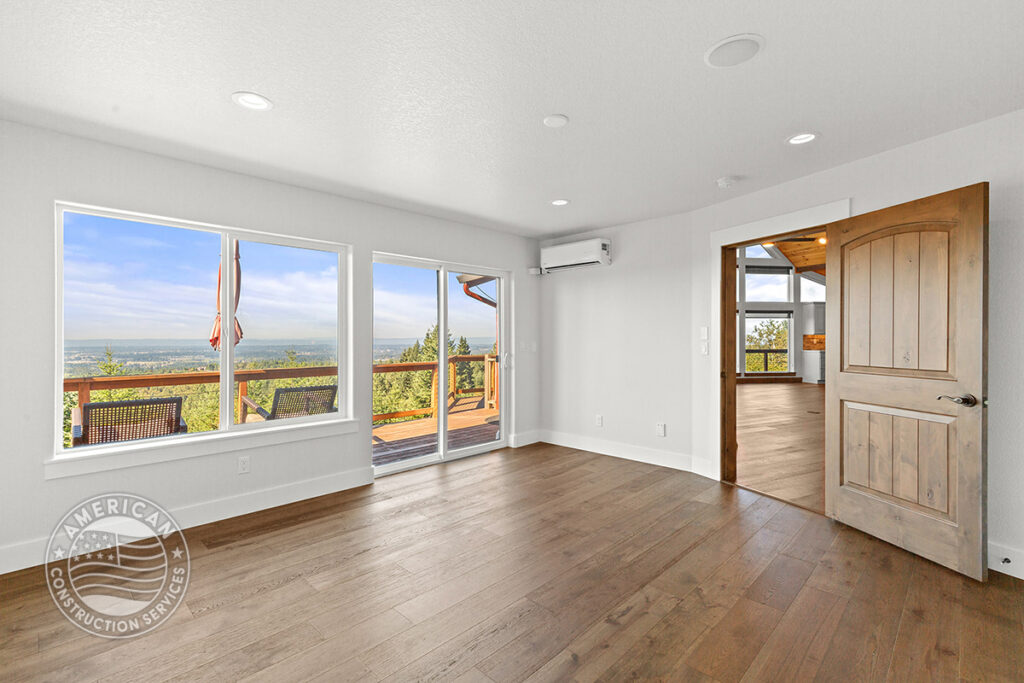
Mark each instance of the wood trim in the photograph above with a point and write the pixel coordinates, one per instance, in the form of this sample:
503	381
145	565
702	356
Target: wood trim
728	367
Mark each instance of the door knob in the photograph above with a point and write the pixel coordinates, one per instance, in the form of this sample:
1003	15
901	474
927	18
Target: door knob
965	400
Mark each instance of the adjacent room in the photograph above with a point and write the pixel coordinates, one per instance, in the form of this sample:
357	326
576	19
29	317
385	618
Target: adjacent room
780	371
576	340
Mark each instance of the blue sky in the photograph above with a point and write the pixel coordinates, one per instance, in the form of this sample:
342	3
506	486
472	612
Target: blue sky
770	287
132	280
405	304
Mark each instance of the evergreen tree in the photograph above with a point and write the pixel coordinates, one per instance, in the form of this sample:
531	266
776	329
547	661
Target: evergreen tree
771	333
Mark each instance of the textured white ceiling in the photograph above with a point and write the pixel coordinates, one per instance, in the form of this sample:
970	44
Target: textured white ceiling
437	105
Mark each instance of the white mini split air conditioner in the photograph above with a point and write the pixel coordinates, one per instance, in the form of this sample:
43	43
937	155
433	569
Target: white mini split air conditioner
595	252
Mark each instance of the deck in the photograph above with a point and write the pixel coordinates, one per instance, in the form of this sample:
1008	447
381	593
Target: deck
469	424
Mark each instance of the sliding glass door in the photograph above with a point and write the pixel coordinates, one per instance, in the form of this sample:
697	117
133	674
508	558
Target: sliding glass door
474	368
438	378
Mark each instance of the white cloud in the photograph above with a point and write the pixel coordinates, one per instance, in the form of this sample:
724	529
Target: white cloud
106	301
401	315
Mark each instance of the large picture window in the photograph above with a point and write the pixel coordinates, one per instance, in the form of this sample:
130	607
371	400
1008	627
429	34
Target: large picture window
171	328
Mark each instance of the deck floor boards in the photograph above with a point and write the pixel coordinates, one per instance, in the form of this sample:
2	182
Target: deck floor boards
469	424
541	563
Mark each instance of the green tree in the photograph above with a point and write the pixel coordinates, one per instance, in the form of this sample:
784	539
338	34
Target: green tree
111	367
770	333
401	391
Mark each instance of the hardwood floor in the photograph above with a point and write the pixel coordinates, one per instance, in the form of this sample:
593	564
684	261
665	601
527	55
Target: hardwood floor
780	432
542	563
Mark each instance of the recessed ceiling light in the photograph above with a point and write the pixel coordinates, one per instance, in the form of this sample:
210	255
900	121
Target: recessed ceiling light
768	245
734	50
252	100
822	240
725	182
559	202
556	120
802	138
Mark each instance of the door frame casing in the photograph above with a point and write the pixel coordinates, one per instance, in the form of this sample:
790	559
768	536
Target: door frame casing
714	385
505	365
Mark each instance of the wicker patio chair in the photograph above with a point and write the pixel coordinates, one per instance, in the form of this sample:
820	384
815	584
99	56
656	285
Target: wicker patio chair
106	422
295	402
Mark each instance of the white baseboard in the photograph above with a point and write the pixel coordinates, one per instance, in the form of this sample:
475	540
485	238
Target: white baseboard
520	439
997	553
30	553
651	456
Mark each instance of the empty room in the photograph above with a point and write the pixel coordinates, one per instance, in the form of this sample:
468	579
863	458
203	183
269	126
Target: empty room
567	340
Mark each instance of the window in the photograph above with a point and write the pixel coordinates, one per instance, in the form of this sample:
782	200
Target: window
288	311
756	251
142	353
811	290
767	342
767	283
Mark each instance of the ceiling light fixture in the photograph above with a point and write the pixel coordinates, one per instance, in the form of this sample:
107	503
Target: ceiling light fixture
556	120
734	50
802	138
726	181
252	100
822	240
768	245
559	202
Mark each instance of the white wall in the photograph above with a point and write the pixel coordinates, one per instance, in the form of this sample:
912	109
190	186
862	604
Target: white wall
624	340
38	167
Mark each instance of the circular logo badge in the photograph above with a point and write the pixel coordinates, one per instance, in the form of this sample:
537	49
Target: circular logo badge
117	565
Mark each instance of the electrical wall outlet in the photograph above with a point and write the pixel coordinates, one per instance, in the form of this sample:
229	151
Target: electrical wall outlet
243	464
599	420
659	429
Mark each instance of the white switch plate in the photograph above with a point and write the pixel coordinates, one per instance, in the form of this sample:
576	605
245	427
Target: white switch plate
243	464
599	420
659	429
703	348
704	332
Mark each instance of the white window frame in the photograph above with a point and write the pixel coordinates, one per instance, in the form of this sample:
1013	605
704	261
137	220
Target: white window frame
229	436
503	279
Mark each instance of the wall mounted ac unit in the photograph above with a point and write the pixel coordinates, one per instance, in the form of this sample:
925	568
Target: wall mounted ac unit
594	252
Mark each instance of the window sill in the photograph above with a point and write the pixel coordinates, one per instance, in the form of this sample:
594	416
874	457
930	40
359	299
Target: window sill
90	459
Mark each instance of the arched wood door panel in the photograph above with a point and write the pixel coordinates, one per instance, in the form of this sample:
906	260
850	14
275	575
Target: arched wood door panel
900	463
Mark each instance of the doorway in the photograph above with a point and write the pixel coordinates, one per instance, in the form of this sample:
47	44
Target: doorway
905	418
778	284
438	376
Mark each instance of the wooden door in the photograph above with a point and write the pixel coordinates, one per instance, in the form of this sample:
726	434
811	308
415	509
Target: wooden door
907	311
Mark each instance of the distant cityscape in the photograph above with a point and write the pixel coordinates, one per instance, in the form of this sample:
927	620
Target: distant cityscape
391	349
151	356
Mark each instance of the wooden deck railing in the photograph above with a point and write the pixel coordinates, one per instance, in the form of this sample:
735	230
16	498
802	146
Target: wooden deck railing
84	386
489	389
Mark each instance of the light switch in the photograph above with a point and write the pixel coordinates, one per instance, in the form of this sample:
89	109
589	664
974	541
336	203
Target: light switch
704	332
703	348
